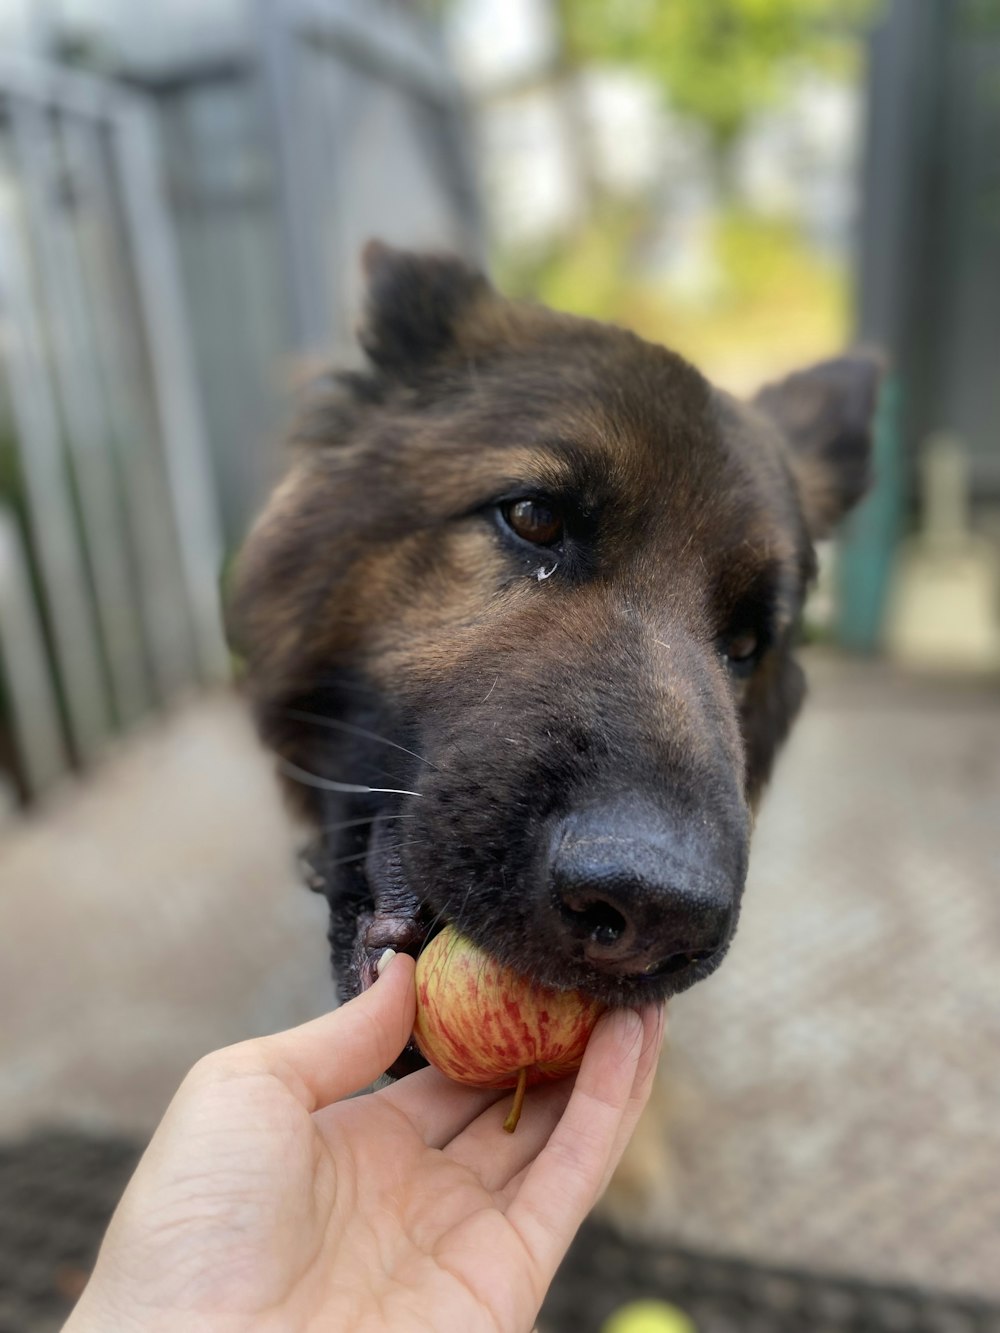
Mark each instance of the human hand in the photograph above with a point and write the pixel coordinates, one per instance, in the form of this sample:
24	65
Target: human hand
266	1204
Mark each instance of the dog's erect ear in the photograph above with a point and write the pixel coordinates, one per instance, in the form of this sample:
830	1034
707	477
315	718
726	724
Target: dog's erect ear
826	415
413	306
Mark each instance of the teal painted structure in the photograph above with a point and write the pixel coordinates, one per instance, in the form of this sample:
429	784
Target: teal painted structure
929	271
871	534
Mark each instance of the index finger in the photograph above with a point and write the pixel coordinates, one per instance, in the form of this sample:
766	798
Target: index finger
566	1179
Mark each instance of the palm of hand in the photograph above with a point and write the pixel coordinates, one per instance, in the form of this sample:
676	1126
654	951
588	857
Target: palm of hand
337	1218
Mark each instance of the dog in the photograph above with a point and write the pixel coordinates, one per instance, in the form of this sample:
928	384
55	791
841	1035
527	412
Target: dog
520	625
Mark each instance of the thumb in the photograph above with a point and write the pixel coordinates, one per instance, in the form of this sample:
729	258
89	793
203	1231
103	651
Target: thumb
340	1053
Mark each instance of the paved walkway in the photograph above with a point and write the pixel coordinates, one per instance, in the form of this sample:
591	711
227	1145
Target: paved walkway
836	1085
149	915
838	1081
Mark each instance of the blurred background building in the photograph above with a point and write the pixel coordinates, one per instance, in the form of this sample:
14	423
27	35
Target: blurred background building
184	191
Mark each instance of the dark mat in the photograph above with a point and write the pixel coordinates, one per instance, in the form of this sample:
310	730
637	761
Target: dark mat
58	1190
603	1272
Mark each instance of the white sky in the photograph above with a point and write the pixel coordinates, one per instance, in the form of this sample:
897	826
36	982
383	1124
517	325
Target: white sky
497	40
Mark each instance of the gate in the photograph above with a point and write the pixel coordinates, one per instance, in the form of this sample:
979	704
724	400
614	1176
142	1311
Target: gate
170	244
109	547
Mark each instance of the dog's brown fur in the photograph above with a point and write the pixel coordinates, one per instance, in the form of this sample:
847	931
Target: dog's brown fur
397	637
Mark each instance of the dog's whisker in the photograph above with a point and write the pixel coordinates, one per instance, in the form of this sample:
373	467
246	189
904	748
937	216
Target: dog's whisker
358	856
379	770
364	819
457	922
335	724
308	779
430	932
343	860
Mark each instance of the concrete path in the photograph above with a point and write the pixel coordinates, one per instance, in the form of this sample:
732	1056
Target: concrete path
147	916
837	1083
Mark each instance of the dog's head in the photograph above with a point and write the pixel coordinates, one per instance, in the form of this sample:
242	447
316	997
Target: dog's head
519	624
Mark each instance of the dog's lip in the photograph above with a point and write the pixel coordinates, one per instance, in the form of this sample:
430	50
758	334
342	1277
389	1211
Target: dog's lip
401	931
672	965
382	932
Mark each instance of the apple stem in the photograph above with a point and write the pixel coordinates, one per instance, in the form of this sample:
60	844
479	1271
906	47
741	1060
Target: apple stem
514	1115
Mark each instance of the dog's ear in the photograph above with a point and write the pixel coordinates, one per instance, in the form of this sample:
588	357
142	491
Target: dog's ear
413	307
826	414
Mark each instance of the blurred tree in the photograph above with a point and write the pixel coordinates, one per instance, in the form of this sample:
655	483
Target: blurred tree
717	60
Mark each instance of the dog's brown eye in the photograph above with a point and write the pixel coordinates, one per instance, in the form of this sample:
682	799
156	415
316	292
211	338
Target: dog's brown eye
534	521
742	648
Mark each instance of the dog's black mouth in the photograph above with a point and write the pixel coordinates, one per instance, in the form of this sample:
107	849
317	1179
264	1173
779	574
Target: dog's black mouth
392	911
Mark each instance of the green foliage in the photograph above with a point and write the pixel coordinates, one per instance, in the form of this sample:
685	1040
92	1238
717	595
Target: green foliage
777	302
718	60
584	274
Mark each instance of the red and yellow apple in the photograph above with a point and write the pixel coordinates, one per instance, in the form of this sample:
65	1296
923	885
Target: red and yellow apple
484	1025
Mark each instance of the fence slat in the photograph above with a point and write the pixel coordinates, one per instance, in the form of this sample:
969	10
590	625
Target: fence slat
189	473
281	71
34	712
85	421
53	521
120	346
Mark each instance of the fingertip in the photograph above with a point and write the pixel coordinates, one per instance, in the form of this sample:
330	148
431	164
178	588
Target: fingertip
628	1024
396	971
654	1022
619	1031
394	988
393	969
619	1026
613	1052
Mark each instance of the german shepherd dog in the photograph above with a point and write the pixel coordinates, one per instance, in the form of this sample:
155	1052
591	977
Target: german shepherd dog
519	624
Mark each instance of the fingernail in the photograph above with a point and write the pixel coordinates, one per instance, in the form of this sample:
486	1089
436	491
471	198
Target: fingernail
384	960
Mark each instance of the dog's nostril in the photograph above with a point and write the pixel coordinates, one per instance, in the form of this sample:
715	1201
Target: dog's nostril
675	963
594	919
678	961
637	893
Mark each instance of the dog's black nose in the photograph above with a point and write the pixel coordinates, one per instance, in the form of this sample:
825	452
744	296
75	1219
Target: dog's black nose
639	891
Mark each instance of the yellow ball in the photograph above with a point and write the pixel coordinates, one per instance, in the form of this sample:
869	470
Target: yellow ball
649	1317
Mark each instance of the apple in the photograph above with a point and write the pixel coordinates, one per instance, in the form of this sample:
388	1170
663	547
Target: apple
484	1025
